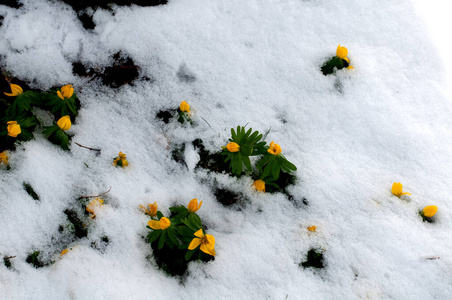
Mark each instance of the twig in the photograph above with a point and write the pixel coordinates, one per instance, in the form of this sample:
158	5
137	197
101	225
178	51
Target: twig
9	257
97	195
432	258
86	147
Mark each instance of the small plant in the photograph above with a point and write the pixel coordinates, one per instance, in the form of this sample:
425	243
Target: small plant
273	162
93	206
120	160
241	146
34	260
182	236
314	259
57	133
184	113
339	61
428	212
62	102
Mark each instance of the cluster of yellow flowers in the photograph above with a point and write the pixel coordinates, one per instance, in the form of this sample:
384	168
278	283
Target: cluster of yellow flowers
428	211
120	160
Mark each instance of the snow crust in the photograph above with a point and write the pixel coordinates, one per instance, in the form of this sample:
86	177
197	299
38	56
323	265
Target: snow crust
351	135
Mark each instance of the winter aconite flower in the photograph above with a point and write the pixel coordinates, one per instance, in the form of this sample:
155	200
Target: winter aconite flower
66	92
64	123
342	53
193	205
259	185
312	228
15	90
206	241
152	211
184	106
120	160
162	224
4	158
13	128
64	252
274	149
429	211
96	203
397	189
233	147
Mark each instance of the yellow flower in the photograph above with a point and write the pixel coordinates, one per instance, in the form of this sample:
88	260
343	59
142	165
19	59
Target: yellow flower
233	147
4	157
64	123
312	228
193	205
66	92
350	68
259	185
207	242
162	224
342	52
274	149
429	211
15	89
152	211
397	189
13	128
64	252
96	203
184	106
121	157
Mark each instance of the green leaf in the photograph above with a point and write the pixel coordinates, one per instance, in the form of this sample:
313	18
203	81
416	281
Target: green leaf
172	236
154	235
275	169
190	253
162	239
247	162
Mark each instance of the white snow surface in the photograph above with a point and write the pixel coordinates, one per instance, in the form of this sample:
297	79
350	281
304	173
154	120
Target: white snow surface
257	62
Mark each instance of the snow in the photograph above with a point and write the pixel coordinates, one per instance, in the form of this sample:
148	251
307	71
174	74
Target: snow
351	135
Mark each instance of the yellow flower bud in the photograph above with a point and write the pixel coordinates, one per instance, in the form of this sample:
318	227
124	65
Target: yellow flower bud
96	203
429	211
15	90
397	189
66	92
259	185
152	211
4	157
274	149
184	106
193	205
312	228
64	252
64	122
233	147
341	52
13	128
162	224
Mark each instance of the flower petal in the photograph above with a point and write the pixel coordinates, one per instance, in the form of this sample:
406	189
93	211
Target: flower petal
194	244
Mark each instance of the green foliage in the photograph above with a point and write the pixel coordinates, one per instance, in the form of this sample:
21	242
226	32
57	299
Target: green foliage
24	103
272	165
334	62
249	146
30	191
33	259
57	136
60	107
314	259
183	117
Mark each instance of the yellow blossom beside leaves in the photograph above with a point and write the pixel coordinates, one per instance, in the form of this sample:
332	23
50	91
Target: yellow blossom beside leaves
4	157
64	122
13	128
122	158
397	189
274	149
342	52
206	241
96	203
193	205
259	185
312	228
233	147
162	224
429	211
15	90
66	92
184	106
152	211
